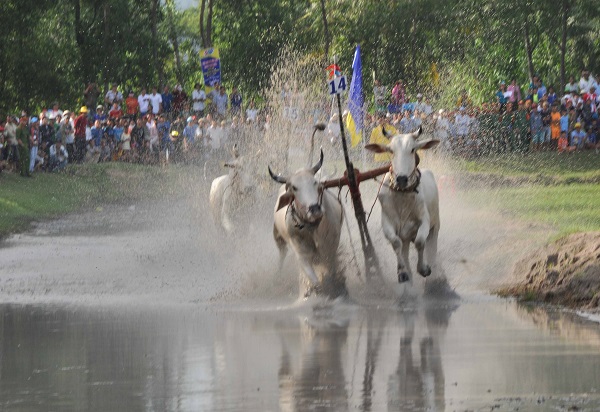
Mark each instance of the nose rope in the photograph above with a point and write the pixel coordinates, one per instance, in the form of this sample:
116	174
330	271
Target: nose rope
415	177
299	221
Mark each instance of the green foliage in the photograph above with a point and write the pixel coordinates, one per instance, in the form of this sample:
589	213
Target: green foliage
440	47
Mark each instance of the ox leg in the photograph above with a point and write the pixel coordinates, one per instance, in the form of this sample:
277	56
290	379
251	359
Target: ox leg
282	246
310	273
397	244
422	267
405	249
431	246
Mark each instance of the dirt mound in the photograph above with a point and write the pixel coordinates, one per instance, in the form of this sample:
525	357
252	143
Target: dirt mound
566	272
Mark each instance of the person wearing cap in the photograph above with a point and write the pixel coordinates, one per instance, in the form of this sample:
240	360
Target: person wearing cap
189	132
592	96
100	115
80	126
578	137
67	133
113	96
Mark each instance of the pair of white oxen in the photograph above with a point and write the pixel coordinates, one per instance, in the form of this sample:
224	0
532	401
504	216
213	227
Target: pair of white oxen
308	218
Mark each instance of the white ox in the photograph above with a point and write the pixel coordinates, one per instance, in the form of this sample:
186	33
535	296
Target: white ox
308	218
231	193
409	203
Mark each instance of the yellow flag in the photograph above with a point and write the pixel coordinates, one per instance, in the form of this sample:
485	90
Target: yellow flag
355	137
378	138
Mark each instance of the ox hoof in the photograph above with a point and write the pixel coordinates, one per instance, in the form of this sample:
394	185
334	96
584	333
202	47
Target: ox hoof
403	277
425	272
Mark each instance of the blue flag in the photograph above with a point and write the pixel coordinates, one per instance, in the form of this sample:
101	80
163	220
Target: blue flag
355	120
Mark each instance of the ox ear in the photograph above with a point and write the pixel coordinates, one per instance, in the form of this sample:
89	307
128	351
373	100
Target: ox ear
285	199
426	144
378	148
416	133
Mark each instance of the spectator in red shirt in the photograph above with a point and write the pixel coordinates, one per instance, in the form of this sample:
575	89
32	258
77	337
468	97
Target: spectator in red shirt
115	112
80	125
132	105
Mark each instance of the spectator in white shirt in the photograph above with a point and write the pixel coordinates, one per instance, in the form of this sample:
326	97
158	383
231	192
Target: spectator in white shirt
198	99
58	156
156	101
144	102
586	81
251	112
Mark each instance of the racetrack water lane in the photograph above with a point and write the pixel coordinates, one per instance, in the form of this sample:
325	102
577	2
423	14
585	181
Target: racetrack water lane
147	307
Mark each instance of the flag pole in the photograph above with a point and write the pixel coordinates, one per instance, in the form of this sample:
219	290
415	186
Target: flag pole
371	262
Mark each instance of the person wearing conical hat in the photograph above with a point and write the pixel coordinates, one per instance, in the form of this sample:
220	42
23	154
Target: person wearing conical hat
80	125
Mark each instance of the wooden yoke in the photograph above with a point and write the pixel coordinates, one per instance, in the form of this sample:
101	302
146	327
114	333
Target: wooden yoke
360	177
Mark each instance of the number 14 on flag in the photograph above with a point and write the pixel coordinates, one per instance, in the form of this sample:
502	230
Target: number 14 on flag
337	85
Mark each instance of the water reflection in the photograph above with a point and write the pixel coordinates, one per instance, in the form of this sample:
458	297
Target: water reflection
428	357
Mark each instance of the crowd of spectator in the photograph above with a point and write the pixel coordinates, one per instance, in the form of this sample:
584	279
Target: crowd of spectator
148	128
155	127
538	119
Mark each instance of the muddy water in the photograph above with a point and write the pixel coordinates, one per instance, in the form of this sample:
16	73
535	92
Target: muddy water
147	307
476	355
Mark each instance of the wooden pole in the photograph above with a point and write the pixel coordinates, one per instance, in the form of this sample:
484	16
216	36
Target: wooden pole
371	262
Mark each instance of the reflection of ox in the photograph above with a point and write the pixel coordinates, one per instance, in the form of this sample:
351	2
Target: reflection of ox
308	218
228	193
409	203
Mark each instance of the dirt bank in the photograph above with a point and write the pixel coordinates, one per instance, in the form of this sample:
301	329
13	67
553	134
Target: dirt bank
565	272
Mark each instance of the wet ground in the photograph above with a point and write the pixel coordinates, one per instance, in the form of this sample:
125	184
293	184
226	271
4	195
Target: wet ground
146	307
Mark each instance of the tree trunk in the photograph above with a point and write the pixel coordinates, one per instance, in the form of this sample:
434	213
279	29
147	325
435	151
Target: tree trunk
105	40
325	29
154	30
563	43
209	24
170	6
528	49
202	34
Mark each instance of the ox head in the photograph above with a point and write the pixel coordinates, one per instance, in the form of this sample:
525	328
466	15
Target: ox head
405	160
304	190
241	171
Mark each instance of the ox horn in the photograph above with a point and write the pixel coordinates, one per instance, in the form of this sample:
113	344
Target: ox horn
416	133
385	133
235	151
277	178
316	167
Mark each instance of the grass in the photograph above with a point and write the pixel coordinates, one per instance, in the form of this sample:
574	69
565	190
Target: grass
44	196
578	166
570	205
568	208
